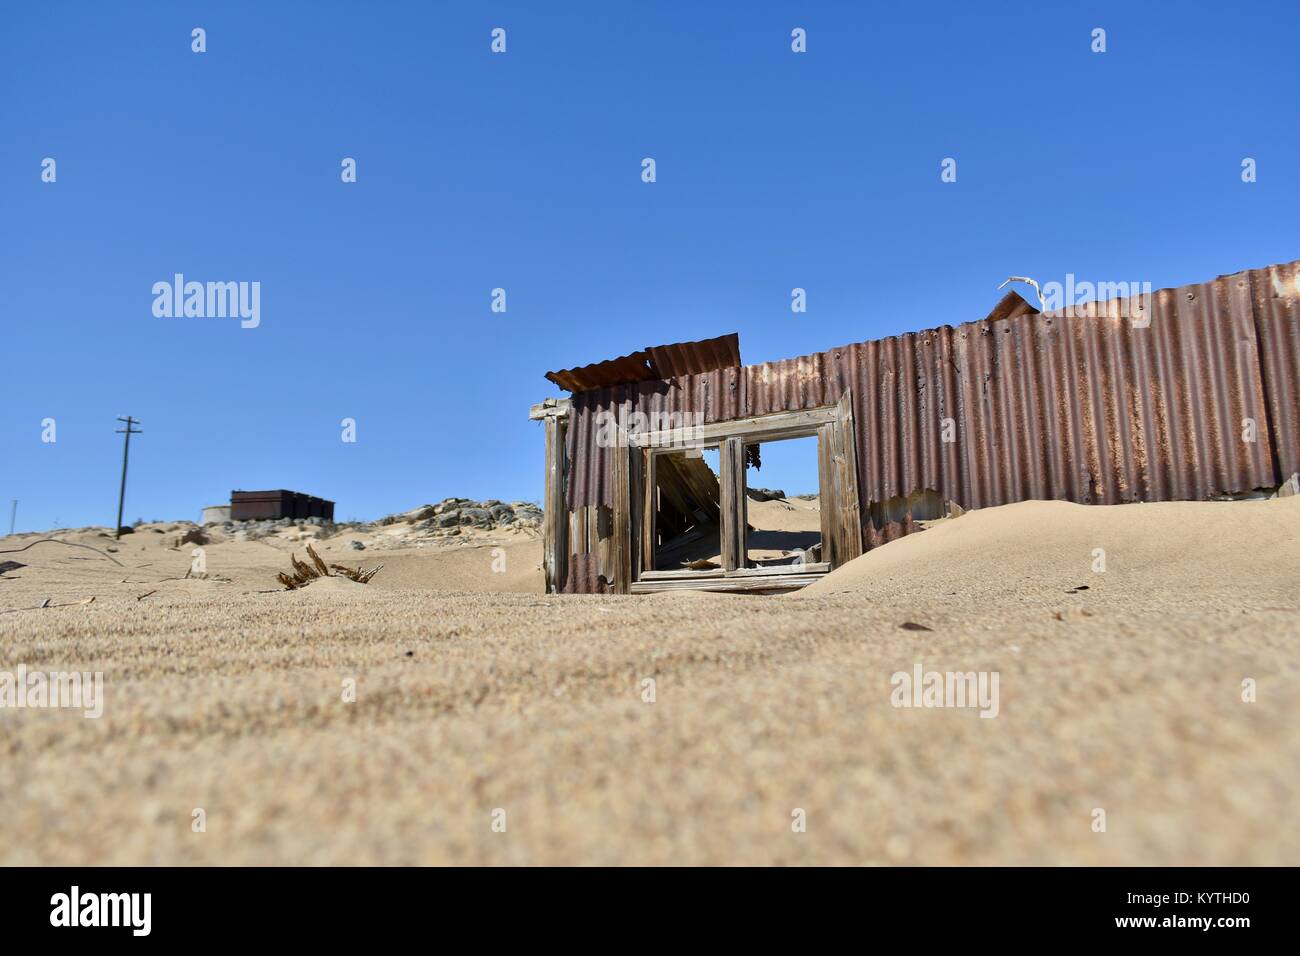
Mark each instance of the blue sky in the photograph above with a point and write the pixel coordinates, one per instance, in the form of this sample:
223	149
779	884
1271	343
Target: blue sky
522	171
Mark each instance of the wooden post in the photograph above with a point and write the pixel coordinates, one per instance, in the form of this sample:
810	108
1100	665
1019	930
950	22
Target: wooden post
848	496
649	505
735	506
837	461
555	517
621	532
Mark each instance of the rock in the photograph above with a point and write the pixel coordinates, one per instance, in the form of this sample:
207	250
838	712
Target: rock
449	518
764	494
356	546
475	516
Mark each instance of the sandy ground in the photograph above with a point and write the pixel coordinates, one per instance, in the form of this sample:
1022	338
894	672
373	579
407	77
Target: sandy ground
779	530
224	696
782	528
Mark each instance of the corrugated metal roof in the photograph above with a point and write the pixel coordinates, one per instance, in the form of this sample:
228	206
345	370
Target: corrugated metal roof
654	363
1086	407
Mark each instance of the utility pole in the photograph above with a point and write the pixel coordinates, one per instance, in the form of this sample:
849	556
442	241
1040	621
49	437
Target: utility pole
126	450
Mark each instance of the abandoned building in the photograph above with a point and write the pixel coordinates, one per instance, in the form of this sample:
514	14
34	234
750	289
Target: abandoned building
277	504
1190	393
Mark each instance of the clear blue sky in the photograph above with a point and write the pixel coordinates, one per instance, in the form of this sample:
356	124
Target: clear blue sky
523	171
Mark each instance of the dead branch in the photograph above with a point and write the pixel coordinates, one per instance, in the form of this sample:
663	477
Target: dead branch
360	575
304	573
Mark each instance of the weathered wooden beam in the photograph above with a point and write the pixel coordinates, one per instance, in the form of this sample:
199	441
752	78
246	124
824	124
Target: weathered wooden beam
636	499
622	530
762	428
649	500
701	484
848	511
735	504
761	585
817	567
550	408
555	518
826	499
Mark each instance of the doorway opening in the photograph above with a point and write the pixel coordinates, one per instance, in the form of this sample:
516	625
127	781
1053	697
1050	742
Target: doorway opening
686	502
782	485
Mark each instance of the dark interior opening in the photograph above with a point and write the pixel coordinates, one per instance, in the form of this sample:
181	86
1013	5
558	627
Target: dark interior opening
688	517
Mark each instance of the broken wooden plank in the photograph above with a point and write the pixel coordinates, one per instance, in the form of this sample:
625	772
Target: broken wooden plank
550	408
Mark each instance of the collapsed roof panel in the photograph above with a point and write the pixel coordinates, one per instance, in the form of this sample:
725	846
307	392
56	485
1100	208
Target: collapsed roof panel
653	363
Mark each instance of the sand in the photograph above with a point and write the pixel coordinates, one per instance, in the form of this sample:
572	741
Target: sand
224	695
779	530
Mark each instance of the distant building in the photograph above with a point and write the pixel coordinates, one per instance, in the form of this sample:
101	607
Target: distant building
273	505
215	514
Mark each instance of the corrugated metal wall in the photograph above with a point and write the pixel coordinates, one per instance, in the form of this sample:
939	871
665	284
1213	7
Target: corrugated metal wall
1277	322
1089	408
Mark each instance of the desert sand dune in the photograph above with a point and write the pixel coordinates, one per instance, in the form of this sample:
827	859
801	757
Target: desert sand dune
224	694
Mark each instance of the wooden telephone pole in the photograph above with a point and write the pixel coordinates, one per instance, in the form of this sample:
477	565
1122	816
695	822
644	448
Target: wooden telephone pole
128	431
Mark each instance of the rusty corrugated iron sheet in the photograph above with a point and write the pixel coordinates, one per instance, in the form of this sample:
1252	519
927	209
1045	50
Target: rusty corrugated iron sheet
583	576
1010	306
1276	293
655	363
1088	407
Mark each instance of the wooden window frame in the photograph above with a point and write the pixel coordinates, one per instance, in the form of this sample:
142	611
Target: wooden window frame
634	486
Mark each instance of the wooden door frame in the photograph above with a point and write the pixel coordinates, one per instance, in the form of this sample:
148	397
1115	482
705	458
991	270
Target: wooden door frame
634	508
